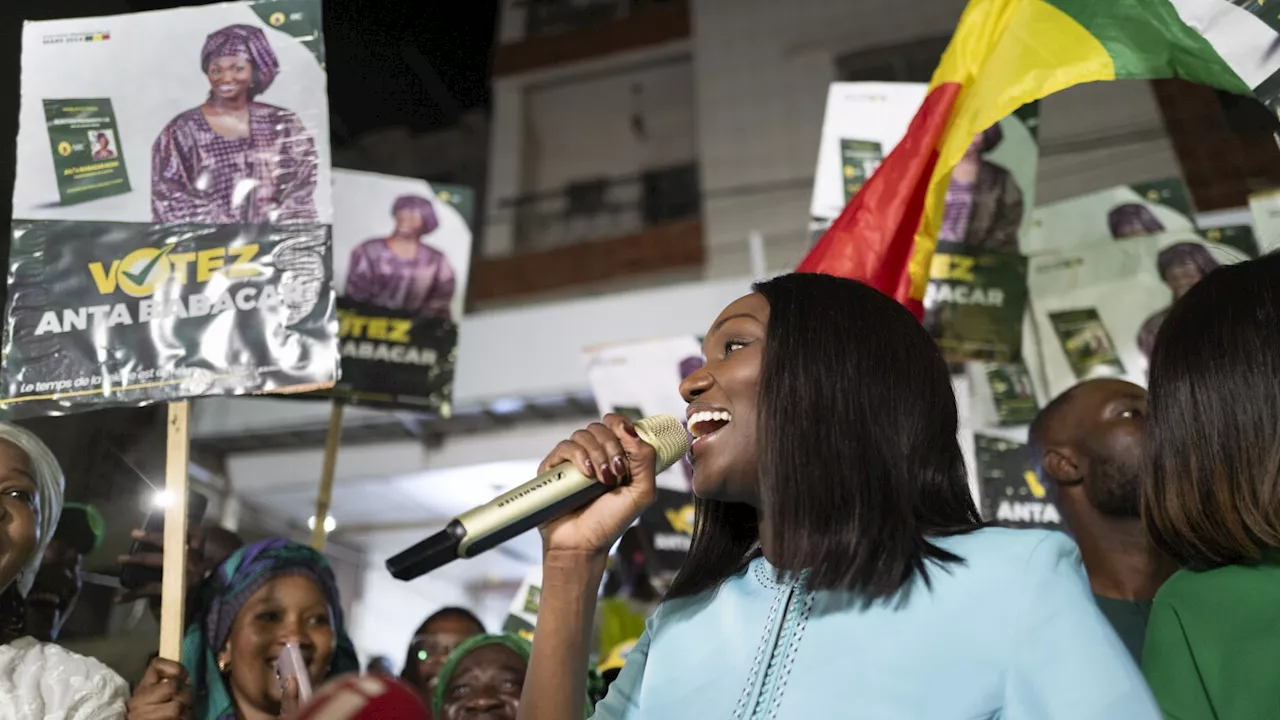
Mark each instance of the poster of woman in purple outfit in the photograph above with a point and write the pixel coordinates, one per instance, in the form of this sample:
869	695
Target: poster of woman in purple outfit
233	159
400	271
210	115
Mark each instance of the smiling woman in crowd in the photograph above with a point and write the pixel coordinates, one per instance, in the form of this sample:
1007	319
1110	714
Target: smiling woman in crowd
233	159
837	550
433	642
264	596
39	680
484	678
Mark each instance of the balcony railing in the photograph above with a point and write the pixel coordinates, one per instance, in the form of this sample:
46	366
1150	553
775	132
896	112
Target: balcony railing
552	17
604	208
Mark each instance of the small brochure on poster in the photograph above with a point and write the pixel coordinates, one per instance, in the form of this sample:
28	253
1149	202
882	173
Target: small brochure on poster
87	159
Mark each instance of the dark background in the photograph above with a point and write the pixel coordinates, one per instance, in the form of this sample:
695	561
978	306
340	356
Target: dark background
391	63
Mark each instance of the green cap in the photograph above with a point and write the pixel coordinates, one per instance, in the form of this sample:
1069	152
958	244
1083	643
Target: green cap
82	527
518	645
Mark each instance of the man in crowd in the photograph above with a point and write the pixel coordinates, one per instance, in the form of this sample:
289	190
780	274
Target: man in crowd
57	586
1087	447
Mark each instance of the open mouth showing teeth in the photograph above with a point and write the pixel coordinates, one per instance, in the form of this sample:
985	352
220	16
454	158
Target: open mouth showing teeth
707	422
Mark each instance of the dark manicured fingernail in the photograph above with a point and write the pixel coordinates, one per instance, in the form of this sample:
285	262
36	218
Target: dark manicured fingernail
591	469
619	466
606	477
630	429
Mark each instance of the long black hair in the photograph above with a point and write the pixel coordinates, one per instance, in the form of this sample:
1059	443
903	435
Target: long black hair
859	464
1211	493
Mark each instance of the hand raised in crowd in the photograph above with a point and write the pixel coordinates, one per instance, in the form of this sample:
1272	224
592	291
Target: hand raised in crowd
203	555
163	694
611	452
196	565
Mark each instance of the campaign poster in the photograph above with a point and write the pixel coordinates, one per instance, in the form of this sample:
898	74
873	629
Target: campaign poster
1098	308
639	380
1011	391
522	615
976	298
974	303
1012	493
977	293
171	232
131	314
402	251
214	115
992	191
1113	215
1240	237
863	123
992	187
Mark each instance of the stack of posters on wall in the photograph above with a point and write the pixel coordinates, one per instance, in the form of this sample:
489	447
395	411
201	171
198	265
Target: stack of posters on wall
640	380
977	294
402	253
172	206
1106	268
1103	270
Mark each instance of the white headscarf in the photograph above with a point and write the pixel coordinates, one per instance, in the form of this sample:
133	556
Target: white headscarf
49	487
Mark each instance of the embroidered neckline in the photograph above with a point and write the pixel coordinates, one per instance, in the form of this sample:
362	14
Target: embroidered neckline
767	576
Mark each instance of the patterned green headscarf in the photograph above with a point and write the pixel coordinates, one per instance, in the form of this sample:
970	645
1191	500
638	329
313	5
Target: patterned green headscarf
516	644
222	596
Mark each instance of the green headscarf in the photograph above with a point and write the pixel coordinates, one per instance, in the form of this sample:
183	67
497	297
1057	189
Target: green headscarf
516	644
222	596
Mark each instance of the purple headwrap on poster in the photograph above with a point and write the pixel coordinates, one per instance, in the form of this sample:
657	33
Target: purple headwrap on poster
245	41
420	205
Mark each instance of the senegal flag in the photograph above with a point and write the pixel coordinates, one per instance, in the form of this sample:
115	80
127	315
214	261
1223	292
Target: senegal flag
1005	54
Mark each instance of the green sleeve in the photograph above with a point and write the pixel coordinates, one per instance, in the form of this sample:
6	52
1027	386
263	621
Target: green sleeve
1170	667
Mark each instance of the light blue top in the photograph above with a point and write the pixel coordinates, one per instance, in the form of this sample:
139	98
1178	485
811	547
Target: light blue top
1013	633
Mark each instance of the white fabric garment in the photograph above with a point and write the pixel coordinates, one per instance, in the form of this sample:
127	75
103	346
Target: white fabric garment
43	681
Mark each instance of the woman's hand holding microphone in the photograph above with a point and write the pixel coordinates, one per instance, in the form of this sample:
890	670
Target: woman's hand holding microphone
613	453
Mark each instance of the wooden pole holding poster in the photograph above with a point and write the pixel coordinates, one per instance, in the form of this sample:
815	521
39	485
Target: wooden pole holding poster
325	496
174	588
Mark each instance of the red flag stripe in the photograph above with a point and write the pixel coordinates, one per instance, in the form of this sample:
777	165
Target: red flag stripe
873	239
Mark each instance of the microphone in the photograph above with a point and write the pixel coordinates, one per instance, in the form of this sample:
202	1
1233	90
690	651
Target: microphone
555	492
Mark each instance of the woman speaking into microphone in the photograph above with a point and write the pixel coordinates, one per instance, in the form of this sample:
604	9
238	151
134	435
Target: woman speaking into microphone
839	567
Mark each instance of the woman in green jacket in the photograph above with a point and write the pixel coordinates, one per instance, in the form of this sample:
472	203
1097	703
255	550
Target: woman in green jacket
1212	498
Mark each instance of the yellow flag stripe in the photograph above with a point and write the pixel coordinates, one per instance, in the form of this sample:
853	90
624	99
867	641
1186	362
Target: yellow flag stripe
1005	54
